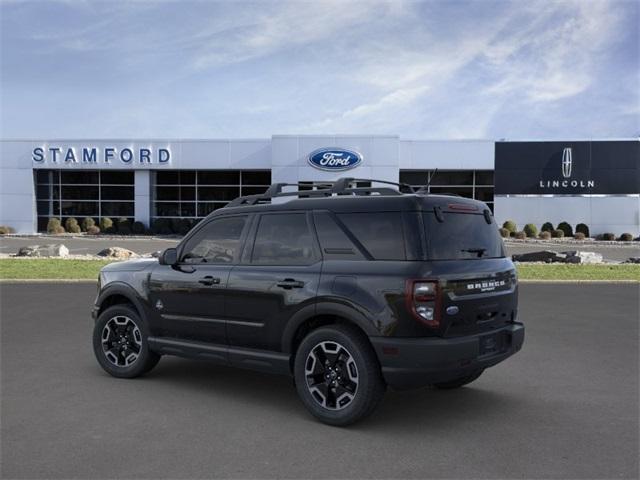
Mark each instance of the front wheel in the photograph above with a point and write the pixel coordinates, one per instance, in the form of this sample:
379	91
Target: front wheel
337	375
120	343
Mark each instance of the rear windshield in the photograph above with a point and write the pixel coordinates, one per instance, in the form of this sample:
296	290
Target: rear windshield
462	236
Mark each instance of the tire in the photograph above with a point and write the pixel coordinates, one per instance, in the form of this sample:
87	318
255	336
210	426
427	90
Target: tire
337	375
121	328
458	382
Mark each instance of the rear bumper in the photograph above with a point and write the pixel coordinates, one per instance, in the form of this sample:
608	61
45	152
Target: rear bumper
417	362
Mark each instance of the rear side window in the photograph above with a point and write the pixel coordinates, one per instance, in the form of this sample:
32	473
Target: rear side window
283	239
380	233
461	236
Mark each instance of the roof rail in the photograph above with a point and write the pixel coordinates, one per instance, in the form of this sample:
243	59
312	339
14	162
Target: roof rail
341	186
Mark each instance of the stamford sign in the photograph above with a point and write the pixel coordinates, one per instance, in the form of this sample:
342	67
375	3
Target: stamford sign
334	159
95	155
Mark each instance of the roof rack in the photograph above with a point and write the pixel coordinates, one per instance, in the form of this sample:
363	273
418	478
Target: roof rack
342	186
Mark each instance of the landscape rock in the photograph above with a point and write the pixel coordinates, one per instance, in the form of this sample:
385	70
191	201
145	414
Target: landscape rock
582	257
50	250
546	256
117	252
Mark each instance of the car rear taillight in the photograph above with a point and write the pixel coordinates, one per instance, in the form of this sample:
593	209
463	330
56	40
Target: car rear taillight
423	301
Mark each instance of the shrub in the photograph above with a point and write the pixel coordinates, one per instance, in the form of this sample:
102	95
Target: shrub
53	224
71	225
530	230
138	228
607	237
626	237
93	230
557	233
4	229
520	235
547	227
161	226
566	228
504	233
87	222
106	225
545	235
510	225
58	230
579	236
583	228
123	226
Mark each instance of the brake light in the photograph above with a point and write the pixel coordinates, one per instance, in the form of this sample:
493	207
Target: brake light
423	301
462	207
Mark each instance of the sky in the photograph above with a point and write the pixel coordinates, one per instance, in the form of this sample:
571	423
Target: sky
421	70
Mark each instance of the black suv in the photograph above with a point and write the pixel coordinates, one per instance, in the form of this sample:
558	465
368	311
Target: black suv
347	288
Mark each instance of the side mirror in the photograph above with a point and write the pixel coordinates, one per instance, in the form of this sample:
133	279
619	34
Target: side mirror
169	257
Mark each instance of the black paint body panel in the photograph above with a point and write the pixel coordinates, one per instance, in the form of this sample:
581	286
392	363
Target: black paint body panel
252	314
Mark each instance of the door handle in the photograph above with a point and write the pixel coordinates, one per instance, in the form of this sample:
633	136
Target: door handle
209	280
289	283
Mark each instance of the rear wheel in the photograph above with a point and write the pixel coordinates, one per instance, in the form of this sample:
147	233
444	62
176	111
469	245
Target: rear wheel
458	382
120	343
337	375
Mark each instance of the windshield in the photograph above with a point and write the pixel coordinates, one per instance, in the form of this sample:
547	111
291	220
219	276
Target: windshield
462	236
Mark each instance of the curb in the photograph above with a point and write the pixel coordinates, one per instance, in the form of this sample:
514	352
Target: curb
88	280
535	280
47	280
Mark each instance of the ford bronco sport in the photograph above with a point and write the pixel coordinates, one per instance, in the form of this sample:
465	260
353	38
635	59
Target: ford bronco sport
347	288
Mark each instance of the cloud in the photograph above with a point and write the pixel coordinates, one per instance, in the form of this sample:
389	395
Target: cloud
419	69
555	55
285	25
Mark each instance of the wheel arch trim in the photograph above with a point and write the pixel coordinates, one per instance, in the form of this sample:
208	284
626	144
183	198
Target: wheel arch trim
122	289
302	316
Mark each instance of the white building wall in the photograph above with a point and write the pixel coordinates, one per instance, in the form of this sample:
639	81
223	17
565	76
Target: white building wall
615	214
17	187
289	155
446	154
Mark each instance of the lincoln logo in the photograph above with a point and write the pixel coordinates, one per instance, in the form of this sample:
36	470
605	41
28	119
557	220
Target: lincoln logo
566	162
567	168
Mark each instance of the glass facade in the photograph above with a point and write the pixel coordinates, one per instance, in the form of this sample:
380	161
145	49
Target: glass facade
476	184
196	193
79	194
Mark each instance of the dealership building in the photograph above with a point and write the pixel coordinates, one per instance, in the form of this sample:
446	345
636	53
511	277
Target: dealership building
596	182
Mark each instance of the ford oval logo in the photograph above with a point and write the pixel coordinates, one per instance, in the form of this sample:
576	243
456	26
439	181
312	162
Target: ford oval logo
334	159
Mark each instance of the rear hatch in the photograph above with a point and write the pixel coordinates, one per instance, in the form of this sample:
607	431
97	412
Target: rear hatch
477	283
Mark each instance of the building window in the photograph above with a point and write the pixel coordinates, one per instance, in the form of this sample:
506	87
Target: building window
197	193
85	193
476	184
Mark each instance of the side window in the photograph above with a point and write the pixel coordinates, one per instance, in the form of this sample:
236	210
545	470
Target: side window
380	233
335	243
216	242
283	239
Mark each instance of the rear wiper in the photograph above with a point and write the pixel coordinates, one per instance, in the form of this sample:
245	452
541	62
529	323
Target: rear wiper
479	251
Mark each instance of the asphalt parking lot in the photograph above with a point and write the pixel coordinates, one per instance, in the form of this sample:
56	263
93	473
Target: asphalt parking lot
565	407
141	245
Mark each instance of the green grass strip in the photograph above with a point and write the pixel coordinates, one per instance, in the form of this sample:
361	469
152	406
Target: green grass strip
53	268
560	271
56	268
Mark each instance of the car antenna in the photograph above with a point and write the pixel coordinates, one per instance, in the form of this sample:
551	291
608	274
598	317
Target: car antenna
425	189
